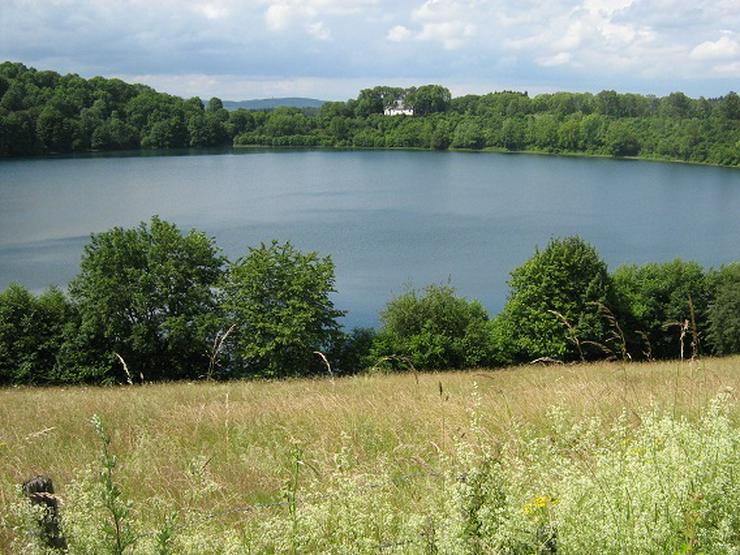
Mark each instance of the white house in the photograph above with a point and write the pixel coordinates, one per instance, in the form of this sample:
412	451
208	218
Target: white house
399	109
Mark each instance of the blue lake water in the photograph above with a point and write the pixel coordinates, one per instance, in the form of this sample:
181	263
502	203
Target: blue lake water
387	218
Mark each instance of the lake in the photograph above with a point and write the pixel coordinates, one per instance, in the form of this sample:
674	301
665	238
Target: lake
389	219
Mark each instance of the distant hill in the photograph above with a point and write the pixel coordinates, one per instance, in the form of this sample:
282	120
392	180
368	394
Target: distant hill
270	103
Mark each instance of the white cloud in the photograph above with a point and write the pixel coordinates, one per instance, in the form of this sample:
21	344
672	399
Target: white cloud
606	7
731	69
448	22
572	37
639	45
723	48
452	34
557	60
398	33
318	30
277	17
212	11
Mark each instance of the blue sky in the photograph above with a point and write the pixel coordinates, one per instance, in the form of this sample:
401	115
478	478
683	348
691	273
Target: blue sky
332	48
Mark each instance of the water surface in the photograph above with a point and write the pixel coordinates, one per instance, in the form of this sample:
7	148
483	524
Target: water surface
388	218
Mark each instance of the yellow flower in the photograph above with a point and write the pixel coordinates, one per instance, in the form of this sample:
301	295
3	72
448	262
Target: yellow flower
541	501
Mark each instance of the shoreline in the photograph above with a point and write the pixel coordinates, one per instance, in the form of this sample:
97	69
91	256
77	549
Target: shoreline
197	151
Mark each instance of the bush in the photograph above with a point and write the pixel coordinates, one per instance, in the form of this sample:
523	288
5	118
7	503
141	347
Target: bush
278	299
31	332
723	333
351	351
145	294
433	330
656	299
554	303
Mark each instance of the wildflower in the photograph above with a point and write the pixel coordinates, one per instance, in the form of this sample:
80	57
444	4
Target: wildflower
538	503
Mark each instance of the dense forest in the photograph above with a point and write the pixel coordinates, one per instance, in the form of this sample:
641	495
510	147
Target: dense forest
151	303
45	112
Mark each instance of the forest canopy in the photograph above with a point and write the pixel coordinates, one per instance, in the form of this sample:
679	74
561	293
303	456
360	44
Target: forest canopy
44	112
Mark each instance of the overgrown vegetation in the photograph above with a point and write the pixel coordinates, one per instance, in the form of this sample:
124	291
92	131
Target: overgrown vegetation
153	304
593	458
42	111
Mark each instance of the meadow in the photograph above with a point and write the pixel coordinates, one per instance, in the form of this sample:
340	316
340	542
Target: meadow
609	457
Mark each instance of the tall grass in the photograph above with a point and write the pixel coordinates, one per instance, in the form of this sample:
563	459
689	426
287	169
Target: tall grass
611	457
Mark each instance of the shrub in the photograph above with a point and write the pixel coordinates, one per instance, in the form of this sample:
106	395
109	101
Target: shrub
552	310
279	300
351	351
31	332
656	299
435	329
723	332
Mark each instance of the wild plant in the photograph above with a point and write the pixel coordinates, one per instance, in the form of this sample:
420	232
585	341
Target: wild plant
117	527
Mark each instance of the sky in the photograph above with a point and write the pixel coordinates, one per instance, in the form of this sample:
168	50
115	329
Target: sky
330	49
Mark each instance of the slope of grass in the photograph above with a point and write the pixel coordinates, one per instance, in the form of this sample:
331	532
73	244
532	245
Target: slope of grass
262	464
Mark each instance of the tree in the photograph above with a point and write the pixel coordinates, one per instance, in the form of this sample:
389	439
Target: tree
656	300
730	106
724	320
430	99
723	333
32	330
145	294
553	306
513	133
279	301
114	134
433	329
468	134
621	140
440	138
214	105
569	134
55	130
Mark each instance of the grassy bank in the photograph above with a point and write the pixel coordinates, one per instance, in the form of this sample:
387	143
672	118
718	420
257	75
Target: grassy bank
389	463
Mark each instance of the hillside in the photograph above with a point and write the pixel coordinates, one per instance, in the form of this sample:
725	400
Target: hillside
402	463
44	112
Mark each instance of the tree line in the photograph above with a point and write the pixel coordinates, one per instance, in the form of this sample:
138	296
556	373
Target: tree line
151	303
45	112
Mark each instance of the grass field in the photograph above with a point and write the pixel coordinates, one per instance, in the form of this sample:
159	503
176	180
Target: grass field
477	461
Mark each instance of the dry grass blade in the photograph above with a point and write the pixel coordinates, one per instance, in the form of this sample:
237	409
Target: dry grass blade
218	343
125	369
326	362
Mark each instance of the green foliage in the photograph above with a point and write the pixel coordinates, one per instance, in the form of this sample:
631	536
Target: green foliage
429	99
723	332
116	528
151	303
32	329
621	140
145	294
553	304
468	134
656	299
42	111
433	329
279	300
350	352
